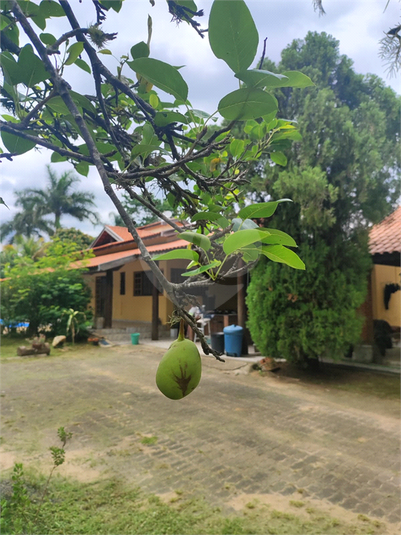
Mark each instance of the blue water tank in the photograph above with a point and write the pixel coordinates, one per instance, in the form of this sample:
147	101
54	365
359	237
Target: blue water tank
233	340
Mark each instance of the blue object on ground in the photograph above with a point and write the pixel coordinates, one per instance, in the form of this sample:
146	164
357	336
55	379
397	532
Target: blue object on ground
135	338
233	340
14	325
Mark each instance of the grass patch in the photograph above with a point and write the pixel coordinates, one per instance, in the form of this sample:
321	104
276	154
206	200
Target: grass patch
110	506
350	380
149	441
9	345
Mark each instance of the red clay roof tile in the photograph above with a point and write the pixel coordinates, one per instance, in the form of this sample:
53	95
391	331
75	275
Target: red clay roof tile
385	237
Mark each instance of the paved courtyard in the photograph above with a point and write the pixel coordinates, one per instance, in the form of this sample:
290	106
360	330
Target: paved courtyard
238	434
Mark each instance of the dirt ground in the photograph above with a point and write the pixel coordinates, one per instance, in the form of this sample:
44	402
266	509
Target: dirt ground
240	436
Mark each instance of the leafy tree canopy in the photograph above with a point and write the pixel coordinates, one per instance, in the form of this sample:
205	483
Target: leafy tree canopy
342	177
40	291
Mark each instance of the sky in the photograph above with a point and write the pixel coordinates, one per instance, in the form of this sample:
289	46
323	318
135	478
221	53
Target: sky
357	24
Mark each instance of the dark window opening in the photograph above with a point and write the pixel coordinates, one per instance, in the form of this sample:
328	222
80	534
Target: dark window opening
122	283
143	283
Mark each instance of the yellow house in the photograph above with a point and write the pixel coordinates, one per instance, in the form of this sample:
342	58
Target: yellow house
384	295
124	295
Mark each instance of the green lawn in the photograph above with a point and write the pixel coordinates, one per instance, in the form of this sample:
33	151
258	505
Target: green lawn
110	507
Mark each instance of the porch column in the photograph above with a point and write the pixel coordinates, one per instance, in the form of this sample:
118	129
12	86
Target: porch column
155	310
241	309
108	304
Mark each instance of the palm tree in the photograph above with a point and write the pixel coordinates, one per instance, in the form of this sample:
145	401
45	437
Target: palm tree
29	222
58	199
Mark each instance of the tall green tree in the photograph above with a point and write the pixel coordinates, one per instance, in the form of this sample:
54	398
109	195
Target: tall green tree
42	209
58	198
29	222
341	177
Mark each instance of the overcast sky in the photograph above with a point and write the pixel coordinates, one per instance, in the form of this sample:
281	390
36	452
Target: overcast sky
357	24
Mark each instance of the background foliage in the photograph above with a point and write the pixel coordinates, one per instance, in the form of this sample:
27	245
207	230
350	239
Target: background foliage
342	177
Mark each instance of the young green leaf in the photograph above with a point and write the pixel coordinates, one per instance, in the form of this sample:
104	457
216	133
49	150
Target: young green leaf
232	33
262	209
202	269
162	75
246	103
197	239
242	238
279	253
238	223
260	79
178	254
296	79
73	52
277	237
83	65
140	50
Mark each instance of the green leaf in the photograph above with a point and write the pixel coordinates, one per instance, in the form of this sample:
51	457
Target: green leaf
73	52
83	65
237	147
49	8
163	118
56	157
162	75
259	79
279	157
32	67
189	4
202	269
112	4
57	105
140	50
277	237
247	103
143	150
82	168
279	253
197	239
232	33
205	216
296	79
240	239
16	144
244	225
47	39
262	209
214	217
11	70
105	51
178	254
250	253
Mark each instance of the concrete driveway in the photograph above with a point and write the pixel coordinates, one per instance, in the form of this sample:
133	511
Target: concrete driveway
237	435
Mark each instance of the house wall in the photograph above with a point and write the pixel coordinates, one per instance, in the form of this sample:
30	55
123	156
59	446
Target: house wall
382	275
222	297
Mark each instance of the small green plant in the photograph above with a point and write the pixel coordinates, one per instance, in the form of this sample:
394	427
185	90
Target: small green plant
75	320
19	514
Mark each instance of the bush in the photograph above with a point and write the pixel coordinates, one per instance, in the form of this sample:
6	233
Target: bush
41	292
304	315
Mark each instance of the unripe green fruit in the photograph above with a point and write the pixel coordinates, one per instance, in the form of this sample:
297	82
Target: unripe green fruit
180	369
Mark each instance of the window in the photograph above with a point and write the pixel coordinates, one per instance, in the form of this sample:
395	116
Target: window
143	283
122	283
